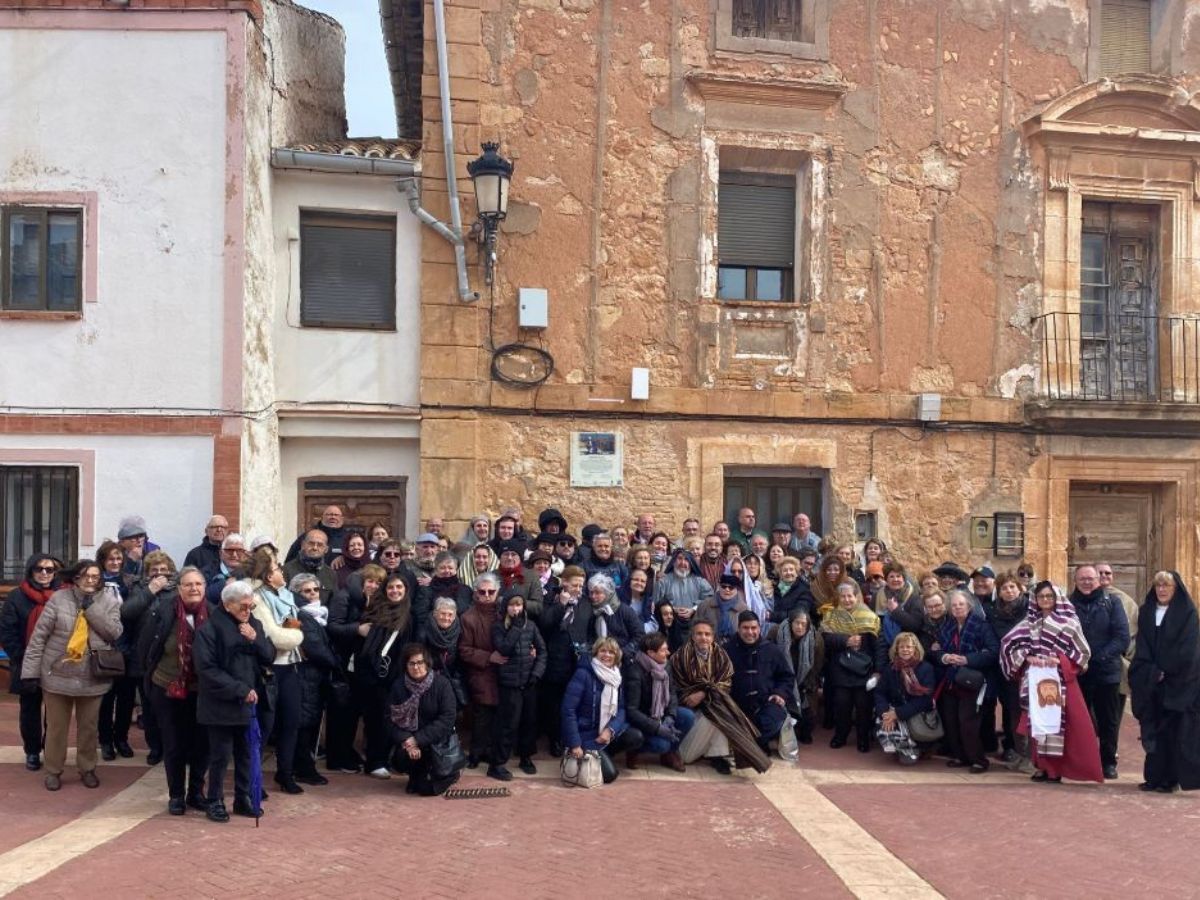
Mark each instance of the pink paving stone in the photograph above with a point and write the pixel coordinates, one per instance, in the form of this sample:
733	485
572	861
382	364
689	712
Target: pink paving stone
361	838
30	811
1032	840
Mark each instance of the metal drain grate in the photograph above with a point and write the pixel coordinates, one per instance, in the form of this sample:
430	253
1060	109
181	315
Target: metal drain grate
476	793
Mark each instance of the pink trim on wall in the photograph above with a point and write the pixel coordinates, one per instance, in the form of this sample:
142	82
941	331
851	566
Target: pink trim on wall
88	201
233	23
86	460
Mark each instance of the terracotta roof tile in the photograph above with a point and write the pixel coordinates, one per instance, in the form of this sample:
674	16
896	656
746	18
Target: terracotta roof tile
370	148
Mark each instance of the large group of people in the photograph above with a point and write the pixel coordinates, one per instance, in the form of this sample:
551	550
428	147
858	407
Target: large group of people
638	647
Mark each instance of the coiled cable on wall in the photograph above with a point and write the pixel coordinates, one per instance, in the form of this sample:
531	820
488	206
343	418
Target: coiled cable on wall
521	365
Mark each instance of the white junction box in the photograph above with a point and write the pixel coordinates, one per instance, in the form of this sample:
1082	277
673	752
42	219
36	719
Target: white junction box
929	407
533	306
639	384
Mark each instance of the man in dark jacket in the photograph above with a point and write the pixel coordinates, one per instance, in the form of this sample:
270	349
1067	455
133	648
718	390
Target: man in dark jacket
762	677
313	560
230	651
1107	632
333	525
27	600
601	562
206	556
566	623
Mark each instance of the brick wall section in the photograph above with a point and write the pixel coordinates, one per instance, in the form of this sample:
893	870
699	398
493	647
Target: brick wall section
109	424
227	478
253	7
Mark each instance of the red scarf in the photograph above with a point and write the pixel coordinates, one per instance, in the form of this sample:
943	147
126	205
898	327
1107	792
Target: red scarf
178	689
908	676
512	576
38	597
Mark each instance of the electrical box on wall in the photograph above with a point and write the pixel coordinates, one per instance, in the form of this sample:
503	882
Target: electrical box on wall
533	307
929	407
639	384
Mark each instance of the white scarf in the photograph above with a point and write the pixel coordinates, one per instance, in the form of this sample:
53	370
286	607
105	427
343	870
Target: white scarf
610	695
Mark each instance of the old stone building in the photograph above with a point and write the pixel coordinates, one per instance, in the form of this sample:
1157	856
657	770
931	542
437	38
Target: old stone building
813	221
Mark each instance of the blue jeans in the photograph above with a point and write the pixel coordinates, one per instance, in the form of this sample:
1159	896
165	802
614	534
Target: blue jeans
684	720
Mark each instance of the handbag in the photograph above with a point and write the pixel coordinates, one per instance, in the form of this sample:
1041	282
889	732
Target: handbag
856	662
448	756
106	663
926	727
968	679
608	768
583	772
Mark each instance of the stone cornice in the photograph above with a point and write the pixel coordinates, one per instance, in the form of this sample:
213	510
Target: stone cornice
790	93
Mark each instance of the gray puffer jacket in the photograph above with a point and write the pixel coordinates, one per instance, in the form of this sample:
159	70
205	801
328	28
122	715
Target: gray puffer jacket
45	655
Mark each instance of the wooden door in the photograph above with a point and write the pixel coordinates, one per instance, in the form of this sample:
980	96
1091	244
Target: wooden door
773	500
1117	524
363	501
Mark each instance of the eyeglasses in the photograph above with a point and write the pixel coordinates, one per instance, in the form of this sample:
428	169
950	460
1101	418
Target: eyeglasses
390	553
416	663
482	593
49	569
90	576
312	589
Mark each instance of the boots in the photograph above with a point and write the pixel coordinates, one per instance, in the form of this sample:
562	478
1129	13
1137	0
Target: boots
631	760
673	761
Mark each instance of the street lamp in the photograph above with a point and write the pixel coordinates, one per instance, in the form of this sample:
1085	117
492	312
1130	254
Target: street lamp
490	174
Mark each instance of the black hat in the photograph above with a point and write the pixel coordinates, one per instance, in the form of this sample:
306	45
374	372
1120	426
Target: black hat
731	580
539	555
510	592
747	615
949	567
565	538
505	546
547	537
985	571
590	531
546	516
782	527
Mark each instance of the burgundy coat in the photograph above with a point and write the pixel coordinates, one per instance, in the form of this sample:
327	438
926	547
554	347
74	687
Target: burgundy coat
474	649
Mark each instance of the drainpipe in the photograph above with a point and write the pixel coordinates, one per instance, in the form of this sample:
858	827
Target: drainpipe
452	232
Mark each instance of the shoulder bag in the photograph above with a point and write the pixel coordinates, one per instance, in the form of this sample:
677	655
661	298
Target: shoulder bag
926	727
583	772
856	662
104	662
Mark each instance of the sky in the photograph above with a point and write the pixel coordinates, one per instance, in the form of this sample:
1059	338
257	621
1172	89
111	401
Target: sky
369	105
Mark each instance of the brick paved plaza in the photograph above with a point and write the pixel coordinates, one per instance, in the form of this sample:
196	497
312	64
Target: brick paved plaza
838	824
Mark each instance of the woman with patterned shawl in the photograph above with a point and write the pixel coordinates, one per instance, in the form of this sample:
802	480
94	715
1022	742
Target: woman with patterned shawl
851	634
704	675
1052	636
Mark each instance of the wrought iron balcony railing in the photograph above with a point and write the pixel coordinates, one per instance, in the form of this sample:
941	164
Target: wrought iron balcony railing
1121	358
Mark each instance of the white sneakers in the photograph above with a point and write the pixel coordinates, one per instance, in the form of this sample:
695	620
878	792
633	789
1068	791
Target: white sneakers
380	773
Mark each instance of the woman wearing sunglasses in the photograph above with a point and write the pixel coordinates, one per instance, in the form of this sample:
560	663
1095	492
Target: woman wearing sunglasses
18	616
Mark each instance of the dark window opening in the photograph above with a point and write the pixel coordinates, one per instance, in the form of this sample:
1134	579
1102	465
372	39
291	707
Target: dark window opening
42	259
780	20
39	513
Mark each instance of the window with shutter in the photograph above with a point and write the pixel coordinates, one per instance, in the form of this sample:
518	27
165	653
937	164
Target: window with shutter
39	513
347	271
1124	36
756	236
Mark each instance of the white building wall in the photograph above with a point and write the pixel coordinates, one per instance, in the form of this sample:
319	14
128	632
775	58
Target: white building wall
139	118
166	480
327	365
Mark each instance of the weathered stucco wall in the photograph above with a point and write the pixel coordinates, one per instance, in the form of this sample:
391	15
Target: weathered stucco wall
922	265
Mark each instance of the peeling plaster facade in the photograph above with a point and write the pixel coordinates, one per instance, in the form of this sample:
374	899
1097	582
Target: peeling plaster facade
928	203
